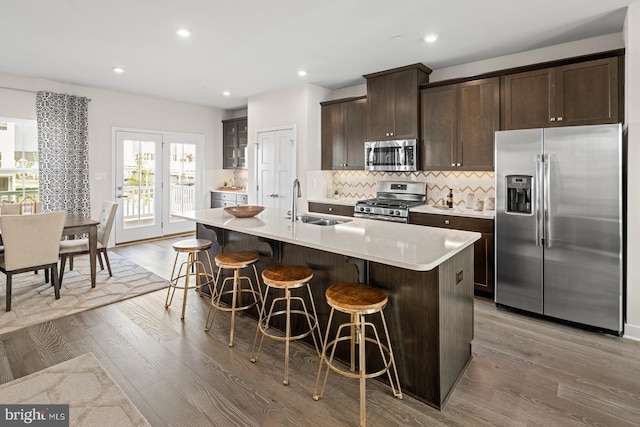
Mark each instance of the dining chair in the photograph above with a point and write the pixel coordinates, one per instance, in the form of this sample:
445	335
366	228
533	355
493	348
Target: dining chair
71	248
20	208
31	242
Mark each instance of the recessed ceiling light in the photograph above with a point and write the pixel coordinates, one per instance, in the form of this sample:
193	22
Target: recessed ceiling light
302	73
431	38
118	70
183	32
226	93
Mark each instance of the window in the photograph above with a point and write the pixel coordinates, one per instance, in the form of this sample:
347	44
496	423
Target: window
18	159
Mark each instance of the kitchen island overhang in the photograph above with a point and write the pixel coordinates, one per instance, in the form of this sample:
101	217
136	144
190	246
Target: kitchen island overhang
427	273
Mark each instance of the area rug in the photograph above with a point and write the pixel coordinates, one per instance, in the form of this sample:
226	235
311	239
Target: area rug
94	399
33	301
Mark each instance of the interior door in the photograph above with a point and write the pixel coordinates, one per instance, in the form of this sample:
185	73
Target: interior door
276	167
138	189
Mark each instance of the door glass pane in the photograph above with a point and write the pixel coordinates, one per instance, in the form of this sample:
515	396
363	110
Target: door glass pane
182	171
139	182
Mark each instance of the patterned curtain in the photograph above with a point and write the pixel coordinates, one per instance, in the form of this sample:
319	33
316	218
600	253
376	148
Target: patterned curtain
63	153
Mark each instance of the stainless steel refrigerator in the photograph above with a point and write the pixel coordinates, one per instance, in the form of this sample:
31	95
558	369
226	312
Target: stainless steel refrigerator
559	223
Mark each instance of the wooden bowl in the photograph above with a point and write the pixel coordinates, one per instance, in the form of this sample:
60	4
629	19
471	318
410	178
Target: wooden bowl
244	211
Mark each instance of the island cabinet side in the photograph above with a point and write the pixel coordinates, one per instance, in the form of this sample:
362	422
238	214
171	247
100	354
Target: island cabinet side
429	314
430	317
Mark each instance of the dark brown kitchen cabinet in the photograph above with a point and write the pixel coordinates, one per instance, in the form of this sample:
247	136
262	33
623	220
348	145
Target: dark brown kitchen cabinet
393	103
458	125
343	133
483	264
575	94
329	208
234	143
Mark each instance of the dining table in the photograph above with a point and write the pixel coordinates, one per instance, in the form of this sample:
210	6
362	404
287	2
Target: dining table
78	224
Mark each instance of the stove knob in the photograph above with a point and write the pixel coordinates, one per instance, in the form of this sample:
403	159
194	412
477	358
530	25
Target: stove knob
367	210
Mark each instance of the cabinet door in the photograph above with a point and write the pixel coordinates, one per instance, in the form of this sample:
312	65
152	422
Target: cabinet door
379	109
587	92
483	266
439	110
404	101
356	133
333	134
529	99
478	120
229	145
241	144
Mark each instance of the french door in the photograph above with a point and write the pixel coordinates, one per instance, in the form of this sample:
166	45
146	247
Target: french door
156	176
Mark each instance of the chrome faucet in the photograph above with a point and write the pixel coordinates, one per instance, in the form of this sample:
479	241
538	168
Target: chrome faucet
294	200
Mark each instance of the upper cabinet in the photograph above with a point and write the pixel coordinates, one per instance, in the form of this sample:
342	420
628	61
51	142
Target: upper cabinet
344	133
458	125
393	103
234	143
575	94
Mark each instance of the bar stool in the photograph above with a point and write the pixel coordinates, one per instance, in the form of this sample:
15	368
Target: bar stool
192	267
235	261
286	277
358	300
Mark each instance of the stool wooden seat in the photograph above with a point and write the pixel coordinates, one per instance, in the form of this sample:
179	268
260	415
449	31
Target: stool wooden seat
286	277
358	300
235	261
191	267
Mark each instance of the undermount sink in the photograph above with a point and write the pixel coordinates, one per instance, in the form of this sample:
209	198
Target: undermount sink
307	219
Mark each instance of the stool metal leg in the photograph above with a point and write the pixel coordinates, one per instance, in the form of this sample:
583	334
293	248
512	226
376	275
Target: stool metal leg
317	394
234	304
360	336
172	289
397	393
215	294
186	283
287	296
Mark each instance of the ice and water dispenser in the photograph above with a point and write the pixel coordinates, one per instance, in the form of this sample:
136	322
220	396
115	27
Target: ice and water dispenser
519	194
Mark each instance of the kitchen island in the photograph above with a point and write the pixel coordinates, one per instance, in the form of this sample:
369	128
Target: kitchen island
427	273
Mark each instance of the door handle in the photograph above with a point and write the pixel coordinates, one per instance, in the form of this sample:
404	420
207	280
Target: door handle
547	198
537	198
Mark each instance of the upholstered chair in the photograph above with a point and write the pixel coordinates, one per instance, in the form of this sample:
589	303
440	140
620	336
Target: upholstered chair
31	242
71	248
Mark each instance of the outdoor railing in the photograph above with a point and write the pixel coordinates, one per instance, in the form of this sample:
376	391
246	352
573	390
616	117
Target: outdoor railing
139	200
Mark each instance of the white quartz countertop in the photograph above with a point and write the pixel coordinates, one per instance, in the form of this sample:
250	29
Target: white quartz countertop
414	247
430	209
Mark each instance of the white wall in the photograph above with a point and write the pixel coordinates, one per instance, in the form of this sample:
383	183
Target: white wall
109	109
297	106
632	120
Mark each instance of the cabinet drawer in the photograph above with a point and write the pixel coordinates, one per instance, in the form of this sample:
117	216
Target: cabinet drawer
331	209
242	199
478	225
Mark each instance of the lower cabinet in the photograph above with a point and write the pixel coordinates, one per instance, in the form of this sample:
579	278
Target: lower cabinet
483	248
329	208
222	199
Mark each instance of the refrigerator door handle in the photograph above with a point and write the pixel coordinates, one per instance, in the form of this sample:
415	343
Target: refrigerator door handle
537	198
546	161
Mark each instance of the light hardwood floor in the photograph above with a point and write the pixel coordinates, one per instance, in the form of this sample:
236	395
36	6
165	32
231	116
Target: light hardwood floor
525	371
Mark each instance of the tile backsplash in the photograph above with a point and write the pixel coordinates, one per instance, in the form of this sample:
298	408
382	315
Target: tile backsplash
362	185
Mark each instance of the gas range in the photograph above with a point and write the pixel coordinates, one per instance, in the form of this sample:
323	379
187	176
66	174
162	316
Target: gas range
394	198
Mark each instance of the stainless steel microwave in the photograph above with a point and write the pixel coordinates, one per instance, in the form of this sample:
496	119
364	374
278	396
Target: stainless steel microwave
399	156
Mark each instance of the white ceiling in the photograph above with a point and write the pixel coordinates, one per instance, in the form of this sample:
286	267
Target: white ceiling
250	47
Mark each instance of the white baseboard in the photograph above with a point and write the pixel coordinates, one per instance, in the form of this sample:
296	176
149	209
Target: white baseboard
632	332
